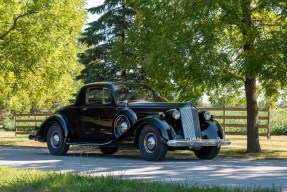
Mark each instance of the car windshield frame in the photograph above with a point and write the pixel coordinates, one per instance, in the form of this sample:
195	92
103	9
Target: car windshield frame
129	92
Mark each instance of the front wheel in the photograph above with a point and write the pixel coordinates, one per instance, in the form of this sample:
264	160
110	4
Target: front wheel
55	140
151	146
207	152
109	150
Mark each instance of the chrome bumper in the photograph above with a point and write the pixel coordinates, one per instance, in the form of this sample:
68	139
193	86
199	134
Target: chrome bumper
193	143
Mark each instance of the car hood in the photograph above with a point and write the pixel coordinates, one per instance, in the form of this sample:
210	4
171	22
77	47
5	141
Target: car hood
160	105
152	108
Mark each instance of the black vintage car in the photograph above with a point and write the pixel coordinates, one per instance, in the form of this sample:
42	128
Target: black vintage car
112	115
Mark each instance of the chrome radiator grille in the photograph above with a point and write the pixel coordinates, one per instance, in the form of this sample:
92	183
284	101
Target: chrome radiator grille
190	122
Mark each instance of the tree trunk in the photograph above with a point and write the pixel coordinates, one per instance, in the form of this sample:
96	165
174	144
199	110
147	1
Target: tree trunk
34	108
253	145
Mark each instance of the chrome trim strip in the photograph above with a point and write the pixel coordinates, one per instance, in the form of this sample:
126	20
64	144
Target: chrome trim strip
198	142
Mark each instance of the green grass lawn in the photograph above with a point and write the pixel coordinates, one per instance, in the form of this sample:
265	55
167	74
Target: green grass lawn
274	148
12	179
9	138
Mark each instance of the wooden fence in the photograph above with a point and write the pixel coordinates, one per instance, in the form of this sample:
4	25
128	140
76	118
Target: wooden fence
226	117
25	123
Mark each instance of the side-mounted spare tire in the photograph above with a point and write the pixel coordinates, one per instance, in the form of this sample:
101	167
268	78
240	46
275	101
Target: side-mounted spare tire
55	140
123	121
121	125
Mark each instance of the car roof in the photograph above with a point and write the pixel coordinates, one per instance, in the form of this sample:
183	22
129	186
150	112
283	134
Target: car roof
109	83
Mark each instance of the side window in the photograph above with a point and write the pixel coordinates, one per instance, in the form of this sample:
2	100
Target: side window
107	99
99	96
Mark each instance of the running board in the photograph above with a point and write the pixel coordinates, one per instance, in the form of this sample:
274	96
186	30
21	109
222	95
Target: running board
89	144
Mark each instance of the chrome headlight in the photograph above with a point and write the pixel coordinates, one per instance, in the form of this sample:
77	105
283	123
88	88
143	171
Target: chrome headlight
176	114
172	114
206	115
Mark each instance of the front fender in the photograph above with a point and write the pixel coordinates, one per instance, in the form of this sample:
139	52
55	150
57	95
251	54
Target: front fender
59	118
211	130
163	127
133	132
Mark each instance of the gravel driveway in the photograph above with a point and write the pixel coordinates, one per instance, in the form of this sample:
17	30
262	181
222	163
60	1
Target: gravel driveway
220	171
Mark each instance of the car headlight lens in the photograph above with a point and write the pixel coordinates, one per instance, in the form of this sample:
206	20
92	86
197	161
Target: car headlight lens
176	114
207	115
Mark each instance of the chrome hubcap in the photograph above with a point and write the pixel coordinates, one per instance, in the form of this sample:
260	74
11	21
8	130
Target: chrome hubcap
150	143
55	139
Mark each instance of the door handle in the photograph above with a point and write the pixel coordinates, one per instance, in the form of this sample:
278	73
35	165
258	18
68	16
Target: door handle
84	109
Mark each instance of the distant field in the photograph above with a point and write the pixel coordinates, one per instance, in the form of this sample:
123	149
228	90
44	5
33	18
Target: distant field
278	121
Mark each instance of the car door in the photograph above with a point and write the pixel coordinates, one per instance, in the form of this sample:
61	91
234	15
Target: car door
98	115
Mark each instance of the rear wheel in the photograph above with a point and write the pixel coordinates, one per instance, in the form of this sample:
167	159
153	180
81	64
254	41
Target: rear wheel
55	140
207	152
151	146
109	150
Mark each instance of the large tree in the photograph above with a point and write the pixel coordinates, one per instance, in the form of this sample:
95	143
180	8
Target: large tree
214	46
38	52
100	36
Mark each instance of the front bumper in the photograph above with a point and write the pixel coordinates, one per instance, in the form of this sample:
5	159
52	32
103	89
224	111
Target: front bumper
194	143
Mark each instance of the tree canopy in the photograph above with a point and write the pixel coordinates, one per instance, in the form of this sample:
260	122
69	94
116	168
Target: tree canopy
38	51
100	36
191	47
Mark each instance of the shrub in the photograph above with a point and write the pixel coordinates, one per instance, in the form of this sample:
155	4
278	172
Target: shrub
9	123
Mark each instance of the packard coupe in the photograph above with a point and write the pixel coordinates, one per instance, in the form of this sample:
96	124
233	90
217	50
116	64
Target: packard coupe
112	115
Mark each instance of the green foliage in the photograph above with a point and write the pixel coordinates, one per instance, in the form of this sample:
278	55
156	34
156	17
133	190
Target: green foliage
191	47
213	46
9	123
100	37
32	180
38	48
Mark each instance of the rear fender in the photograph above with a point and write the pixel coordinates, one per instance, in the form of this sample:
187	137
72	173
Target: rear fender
56	118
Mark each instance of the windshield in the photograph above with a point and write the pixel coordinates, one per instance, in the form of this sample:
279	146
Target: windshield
134	94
